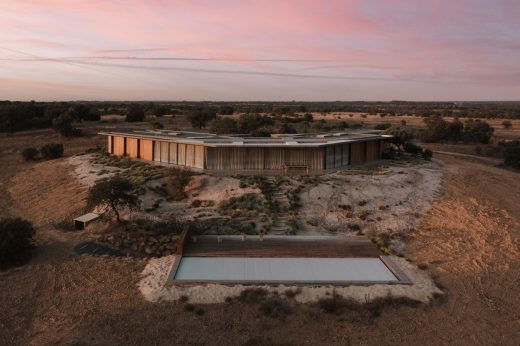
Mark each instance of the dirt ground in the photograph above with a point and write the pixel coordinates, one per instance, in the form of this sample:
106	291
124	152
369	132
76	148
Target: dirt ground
469	241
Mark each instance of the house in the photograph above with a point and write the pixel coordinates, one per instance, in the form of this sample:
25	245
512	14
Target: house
280	152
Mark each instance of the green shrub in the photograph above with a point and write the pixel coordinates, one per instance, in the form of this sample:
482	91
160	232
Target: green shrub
29	154
363	214
412	148
252	295
275	307
512	154
427	154
156	125
134	113
176	181
52	151
507	124
334	305
383	126
314	221
247	202
16	242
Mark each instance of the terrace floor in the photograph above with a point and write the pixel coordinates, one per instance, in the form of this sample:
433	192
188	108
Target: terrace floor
281	246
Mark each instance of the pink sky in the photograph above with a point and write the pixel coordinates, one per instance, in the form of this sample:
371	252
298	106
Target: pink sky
260	50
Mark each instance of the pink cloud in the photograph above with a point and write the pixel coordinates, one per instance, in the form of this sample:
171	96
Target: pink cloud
467	40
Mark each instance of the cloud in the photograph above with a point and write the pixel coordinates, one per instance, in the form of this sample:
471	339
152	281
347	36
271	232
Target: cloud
436	41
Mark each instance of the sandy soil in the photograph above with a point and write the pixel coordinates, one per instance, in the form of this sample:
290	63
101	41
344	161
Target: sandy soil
393	198
217	189
88	172
469	241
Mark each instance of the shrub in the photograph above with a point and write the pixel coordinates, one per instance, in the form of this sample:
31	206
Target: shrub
247	202
383	126
134	113
427	154
313	221
363	214
199	118
252	295
412	148
176	181
16	242
223	126
512	154
400	136
275	307
292	293
507	124
29	154
334	305
52	151
156	125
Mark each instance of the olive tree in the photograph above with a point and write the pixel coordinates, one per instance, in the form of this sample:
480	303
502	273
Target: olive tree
112	196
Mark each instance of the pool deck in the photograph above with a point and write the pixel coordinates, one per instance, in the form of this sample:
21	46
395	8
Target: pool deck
281	246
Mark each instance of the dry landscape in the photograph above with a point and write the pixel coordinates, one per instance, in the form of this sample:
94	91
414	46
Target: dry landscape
468	241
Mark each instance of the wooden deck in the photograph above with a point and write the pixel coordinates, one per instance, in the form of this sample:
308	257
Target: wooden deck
337	247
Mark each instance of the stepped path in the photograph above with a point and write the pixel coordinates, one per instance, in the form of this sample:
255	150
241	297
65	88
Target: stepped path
279	226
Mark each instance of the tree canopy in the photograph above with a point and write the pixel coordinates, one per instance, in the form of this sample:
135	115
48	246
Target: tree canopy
199	118
113	195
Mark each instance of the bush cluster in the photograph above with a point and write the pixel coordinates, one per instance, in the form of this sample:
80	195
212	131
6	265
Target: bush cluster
472	131
176	181
512	154
16	241
52	151
48	151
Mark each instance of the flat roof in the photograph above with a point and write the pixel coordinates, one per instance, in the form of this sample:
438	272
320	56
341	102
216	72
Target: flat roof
87	217
276	140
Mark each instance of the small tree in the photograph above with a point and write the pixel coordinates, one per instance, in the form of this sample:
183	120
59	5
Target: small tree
52	151
176	181
16	241
427	154
62	124
223	126
134	113
412	148
512	154
199	118
29	154
113	195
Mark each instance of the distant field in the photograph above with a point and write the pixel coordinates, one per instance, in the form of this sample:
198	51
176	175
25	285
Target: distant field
415	121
